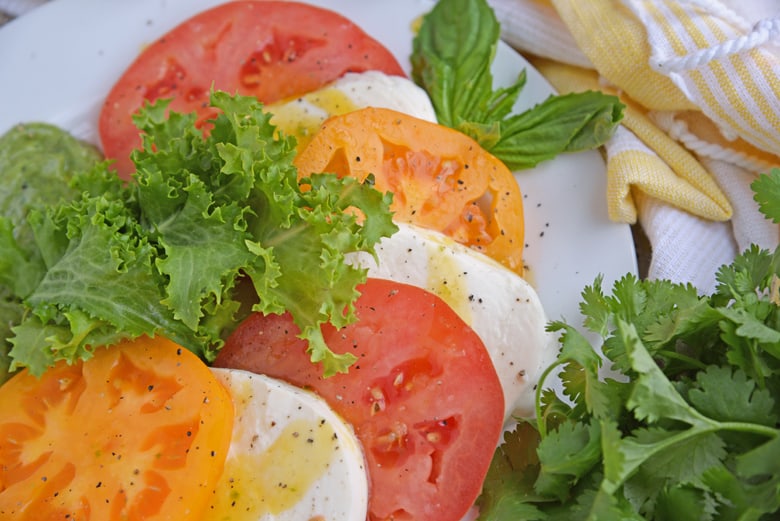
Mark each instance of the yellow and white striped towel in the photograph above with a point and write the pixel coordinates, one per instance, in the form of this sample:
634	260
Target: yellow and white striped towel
701	82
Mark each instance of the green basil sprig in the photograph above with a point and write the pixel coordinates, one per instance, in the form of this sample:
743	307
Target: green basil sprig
452	55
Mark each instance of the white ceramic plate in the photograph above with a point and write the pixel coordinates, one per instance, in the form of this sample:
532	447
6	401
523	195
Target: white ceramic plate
58	62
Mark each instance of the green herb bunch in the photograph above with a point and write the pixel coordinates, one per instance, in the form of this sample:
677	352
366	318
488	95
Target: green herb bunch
678	420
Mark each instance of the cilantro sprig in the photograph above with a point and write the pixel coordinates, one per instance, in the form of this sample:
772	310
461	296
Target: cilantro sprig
676	416
173	252
452	55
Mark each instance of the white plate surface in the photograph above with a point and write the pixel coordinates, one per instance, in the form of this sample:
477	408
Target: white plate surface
58	62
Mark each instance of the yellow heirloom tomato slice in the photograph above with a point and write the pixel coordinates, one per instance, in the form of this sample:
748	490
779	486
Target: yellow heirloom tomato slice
139	431
440	178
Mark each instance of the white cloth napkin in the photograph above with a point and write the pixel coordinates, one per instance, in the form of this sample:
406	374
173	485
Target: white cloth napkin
680	128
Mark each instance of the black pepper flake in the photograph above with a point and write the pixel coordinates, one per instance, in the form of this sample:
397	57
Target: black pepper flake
149	387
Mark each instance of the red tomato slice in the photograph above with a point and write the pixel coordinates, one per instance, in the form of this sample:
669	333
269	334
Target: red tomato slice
139	431
423	397
269	49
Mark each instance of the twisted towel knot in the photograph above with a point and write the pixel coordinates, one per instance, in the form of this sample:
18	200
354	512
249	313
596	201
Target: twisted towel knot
765	31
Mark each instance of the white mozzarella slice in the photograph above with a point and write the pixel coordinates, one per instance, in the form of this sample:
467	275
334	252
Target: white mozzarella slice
291	456
303	116
501	307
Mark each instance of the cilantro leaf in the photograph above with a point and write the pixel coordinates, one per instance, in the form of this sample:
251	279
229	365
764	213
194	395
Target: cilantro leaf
741	499
566	455
508	487
727	395
766	190
751	271
685	503
653	397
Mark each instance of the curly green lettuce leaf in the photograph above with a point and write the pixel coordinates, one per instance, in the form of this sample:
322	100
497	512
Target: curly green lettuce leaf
164	254
38	162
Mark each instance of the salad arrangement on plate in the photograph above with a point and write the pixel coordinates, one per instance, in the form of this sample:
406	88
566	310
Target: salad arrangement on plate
348	261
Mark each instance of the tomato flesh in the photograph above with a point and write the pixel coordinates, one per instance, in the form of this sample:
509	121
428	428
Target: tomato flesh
272	50
139	431
440	178
423	397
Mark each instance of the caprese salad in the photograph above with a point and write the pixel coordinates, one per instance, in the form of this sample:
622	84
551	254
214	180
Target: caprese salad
289	293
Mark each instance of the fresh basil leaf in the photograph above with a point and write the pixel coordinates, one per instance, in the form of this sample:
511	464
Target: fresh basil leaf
560	124
451	58
452	55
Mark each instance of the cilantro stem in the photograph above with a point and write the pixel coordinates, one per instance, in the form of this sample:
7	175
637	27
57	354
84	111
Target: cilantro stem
755	428
700	429
540	421
684	358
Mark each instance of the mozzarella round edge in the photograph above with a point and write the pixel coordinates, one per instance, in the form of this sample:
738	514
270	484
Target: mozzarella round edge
499	305
264	407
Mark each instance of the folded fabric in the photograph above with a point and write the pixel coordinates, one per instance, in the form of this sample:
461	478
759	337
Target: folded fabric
701	84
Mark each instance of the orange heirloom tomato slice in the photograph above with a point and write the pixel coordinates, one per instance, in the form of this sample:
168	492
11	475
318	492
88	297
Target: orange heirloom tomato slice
440	178
139	431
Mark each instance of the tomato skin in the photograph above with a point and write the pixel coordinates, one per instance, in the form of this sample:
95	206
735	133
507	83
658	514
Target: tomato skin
269	49
423	397
139	431
440	178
